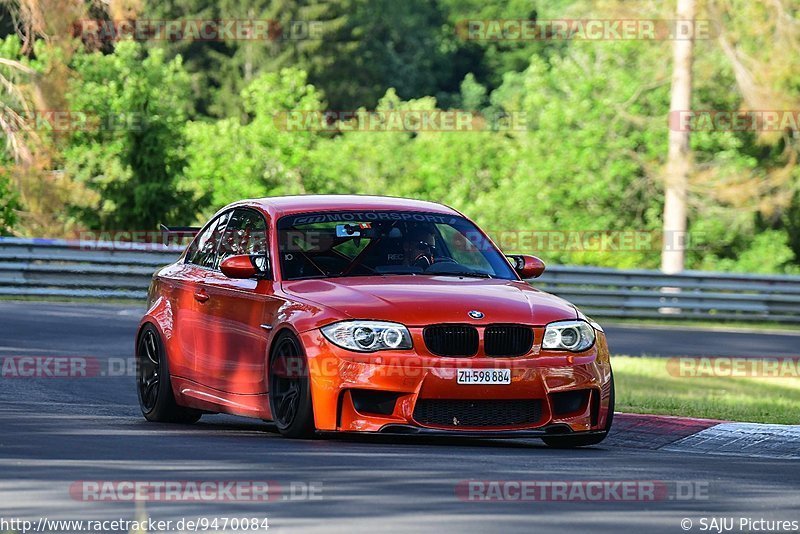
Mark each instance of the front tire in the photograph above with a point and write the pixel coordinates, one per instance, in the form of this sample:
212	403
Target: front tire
153	382
570	442
290	389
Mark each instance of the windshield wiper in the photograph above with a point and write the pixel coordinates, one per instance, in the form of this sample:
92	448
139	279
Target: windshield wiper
471	274
376	273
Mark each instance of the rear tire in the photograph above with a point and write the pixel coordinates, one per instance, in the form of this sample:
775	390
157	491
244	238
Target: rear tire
572	441
290	389
153	382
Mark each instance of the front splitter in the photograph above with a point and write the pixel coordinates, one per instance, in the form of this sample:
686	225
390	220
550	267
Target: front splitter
410	430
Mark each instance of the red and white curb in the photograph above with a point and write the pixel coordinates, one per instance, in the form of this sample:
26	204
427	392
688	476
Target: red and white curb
705	436
743	439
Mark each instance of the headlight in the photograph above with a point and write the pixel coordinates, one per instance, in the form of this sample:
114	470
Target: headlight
368	336
574	336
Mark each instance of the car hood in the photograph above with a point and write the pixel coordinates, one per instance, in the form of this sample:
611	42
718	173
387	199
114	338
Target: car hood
418	301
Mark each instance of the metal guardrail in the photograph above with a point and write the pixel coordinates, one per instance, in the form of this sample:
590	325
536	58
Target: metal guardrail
70	269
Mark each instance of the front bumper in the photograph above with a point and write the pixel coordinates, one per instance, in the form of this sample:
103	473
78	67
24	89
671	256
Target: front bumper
382	391
408	430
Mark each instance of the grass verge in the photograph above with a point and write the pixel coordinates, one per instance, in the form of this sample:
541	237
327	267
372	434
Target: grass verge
644	385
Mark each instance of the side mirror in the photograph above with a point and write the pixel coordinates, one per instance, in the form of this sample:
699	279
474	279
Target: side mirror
244	266
527	266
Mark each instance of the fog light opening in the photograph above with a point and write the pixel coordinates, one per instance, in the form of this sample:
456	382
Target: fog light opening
569	402
368	402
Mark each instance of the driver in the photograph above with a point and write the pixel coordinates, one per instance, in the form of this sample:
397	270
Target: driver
419	245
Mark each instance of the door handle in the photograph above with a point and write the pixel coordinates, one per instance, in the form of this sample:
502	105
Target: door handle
201	296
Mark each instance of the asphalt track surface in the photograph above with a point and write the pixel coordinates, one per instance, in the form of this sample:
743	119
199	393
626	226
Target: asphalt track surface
56	431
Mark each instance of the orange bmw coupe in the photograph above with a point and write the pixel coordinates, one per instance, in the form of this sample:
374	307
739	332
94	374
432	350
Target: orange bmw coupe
368	314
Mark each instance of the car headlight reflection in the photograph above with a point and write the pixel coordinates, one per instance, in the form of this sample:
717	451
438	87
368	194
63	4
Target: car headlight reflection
574	336
368	336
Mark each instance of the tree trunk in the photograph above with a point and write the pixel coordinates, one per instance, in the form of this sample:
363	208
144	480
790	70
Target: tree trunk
679	158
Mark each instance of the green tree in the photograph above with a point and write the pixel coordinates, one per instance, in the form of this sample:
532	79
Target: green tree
355	49
385	44
221	69
259	157
134	158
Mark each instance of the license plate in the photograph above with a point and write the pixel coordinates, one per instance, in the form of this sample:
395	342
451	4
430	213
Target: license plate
486	377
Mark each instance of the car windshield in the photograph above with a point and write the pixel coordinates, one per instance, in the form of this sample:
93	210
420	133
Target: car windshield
379	243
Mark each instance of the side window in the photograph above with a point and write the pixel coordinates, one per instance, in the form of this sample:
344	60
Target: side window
246	233
203	251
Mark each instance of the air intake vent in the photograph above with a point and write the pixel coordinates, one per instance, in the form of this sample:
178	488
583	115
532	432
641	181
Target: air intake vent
478	413
507	340
451	340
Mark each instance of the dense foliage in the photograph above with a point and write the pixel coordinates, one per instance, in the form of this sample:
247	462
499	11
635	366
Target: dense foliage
206	125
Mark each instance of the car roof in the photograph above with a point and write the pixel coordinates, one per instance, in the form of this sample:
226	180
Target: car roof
288	205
